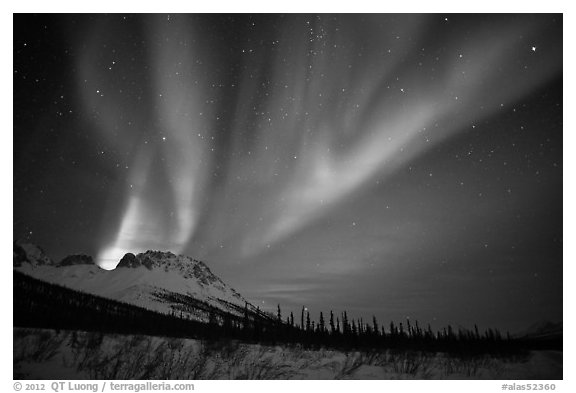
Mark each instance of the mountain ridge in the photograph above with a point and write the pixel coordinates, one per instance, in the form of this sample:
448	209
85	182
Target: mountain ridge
149	279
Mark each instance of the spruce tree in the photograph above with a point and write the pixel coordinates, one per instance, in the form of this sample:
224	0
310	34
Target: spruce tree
409	327
332	328
279	315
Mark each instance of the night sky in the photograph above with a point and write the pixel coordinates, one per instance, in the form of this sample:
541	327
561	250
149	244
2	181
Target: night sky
395	165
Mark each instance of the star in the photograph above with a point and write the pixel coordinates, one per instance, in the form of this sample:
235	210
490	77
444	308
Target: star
344	145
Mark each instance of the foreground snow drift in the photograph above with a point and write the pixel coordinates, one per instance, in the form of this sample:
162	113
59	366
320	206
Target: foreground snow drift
48	354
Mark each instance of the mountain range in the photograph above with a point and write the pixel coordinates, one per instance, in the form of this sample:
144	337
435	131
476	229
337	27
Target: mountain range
155	280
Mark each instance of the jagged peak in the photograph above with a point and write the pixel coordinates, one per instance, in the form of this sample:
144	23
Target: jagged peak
163	265
187	266
159	254
30	253
128	260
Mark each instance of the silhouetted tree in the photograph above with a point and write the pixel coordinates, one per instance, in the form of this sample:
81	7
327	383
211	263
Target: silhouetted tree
246	317
279	315
43	305
332	327
408	327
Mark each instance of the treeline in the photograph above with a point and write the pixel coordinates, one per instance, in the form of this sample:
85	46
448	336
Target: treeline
340	331
44	305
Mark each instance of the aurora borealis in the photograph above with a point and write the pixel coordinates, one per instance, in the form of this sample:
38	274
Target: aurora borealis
396	165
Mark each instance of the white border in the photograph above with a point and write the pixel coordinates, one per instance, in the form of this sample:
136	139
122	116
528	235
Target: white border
229	6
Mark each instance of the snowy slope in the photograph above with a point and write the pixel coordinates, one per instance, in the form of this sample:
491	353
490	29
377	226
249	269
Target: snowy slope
159	281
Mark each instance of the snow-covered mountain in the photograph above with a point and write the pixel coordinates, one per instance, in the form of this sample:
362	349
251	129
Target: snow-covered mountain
159	281
31	254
